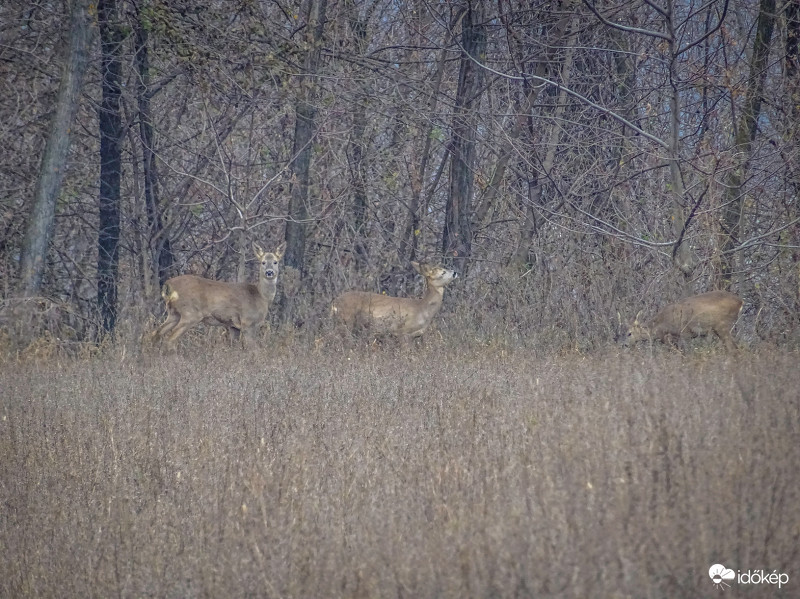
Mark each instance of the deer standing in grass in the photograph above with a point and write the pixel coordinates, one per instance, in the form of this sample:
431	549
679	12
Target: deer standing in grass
402	316
240	307
713	312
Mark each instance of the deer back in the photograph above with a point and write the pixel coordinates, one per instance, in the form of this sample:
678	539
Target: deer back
715	311
395	315
228	303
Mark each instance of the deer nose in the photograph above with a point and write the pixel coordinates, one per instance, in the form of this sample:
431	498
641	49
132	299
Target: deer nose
455	274
270	273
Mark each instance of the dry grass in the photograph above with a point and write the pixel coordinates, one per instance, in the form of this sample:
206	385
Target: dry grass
398	471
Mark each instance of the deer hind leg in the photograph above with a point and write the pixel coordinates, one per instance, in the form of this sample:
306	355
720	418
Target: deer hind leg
179	329
166	326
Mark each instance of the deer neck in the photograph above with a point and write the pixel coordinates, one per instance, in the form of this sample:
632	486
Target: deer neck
433	296
267	287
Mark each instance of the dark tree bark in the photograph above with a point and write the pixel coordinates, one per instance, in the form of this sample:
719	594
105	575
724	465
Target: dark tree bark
682	255
51	172
792	62
304	129
792	12
564	35
421	190
110	163
359	181
792	65
746	130
160	245
457	234
304	132
358	28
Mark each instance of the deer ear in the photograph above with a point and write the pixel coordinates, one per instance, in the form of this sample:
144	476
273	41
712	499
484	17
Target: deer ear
280	250
417	266
258	251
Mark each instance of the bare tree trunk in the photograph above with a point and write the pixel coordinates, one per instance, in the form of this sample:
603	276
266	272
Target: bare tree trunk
567	30
110	164
457	233
746	130
792	12
682	252
523	106
359	181
51	172
159	241
418	167
298	202
358	27
304	131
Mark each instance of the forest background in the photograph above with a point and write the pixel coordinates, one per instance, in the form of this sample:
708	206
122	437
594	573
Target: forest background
576	161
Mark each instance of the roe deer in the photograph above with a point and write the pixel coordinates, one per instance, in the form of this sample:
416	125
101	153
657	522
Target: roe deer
395	315
240	307
713	312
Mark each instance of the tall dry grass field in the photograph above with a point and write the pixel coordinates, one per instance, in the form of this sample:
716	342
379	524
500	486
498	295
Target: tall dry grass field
398	472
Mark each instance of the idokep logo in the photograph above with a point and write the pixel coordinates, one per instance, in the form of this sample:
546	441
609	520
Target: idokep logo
720	574
721	577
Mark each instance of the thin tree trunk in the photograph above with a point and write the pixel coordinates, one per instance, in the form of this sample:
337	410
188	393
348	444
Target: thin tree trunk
568	31
51	172
457	234
110	164
359	179
304	132
358	27
746	130
522	108
305	127
792	12
159	237
418	173
682	252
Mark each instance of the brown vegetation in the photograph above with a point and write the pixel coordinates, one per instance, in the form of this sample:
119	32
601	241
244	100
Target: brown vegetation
374	473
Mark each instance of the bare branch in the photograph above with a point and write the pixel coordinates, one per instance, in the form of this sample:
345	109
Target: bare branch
708	34
627	28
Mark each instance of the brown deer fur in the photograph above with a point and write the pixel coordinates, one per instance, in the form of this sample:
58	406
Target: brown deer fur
240	307
713	312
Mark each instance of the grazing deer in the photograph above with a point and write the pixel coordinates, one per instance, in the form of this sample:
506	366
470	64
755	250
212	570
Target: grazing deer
395	315
240	307
713	312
